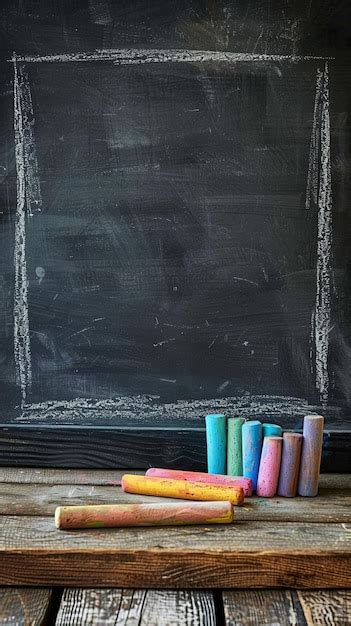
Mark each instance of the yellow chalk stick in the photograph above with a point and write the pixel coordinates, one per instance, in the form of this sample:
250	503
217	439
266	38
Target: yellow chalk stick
169	488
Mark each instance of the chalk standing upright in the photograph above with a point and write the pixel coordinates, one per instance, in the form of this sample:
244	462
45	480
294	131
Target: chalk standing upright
271	430
234	447
290	465
216	438
252	444
311	455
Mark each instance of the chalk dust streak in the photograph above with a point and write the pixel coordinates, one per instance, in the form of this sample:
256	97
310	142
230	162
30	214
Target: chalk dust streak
313	163
127	56
28	199
319	191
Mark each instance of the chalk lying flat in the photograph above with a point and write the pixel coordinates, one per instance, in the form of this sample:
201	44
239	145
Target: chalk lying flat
124	515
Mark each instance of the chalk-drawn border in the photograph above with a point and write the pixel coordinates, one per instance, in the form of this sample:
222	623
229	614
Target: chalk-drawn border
318	190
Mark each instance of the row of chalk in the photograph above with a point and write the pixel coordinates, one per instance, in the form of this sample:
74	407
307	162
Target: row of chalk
285	463
215	494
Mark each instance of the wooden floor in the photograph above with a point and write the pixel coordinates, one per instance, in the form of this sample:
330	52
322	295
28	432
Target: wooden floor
301	547
137	607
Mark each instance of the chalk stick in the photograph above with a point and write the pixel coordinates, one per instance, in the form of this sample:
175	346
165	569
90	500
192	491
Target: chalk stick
311	455
169	488
170	513
216	438
271	430
234	447
203	477
290	465
252	444
268	475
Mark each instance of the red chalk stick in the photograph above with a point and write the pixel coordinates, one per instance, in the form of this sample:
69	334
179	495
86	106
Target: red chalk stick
203	477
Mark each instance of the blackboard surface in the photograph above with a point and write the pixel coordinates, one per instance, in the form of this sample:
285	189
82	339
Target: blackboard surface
175	219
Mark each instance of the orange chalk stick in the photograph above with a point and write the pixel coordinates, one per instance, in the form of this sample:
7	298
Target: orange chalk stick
119	515
168	488
203	477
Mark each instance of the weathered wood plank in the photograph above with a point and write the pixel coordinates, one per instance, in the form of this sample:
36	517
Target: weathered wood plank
48	476
254	608
103	447
325	608
107	607
333	505
35	533
247	554
23	606
98	607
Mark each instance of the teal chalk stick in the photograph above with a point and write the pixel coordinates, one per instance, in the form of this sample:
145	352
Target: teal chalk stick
234	447
216	439
252	444
272	430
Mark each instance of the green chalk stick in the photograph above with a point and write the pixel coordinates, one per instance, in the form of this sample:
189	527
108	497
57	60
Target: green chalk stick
234	447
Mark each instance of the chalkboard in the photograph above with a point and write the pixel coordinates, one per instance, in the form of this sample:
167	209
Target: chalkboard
174	234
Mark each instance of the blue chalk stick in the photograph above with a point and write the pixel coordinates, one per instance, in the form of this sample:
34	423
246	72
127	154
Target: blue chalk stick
272	430
251	446
216	438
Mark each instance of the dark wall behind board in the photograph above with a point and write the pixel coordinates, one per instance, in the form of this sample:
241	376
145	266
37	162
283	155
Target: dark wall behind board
175	211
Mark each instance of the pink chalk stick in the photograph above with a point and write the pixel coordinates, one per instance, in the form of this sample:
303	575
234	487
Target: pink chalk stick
118	515
268	474
203	477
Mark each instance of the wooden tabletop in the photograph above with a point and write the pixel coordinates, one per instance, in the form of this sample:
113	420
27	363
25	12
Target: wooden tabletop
294	543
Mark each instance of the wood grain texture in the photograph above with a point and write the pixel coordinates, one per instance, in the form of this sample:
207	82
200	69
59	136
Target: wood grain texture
47	476
332	505
267	606
254	554
23	606
59	446
107	607
325	608
104	448
98	607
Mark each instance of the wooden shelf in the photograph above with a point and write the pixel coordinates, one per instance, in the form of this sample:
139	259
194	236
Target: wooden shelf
301	542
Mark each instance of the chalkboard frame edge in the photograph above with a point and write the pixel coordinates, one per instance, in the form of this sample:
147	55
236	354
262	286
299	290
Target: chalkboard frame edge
133	447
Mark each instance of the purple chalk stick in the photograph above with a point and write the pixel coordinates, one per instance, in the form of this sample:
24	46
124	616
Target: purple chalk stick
311	455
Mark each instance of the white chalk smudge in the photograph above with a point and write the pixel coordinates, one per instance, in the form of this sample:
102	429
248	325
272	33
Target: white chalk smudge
127	56
164	342
246	280
28	199
223	386
322	315
143	408
313	162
